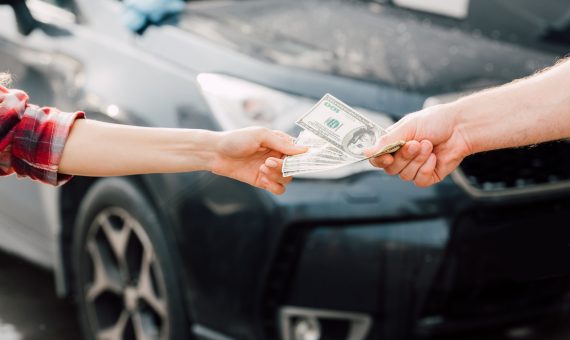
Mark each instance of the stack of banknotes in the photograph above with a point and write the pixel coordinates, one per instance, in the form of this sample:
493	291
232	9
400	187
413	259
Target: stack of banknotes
336	136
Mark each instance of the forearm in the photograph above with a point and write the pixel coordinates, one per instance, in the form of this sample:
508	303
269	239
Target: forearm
528	111
102	149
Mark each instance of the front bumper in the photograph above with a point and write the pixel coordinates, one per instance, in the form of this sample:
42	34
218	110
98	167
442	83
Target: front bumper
381	270
488	264
368	245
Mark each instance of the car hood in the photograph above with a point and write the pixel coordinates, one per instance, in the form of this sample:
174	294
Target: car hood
361	40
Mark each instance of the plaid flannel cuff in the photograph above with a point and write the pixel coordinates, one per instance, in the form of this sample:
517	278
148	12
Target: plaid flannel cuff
38	143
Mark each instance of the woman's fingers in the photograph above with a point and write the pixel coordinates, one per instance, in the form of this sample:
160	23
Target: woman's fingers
409	172
274	163
274	188
274	175
281	142
271	177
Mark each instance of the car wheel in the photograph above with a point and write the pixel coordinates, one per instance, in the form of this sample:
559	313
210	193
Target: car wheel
125	283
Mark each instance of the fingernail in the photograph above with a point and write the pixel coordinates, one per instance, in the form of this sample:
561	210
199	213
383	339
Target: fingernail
425	147
271	163
413	149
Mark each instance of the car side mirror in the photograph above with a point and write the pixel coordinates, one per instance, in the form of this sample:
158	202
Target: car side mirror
24	18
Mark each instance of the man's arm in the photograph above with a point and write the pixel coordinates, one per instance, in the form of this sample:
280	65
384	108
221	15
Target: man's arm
524	112
527	111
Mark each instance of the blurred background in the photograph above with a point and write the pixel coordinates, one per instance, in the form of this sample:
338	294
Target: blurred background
347	254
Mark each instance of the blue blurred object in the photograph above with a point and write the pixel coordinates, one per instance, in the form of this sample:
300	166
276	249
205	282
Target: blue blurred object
141	13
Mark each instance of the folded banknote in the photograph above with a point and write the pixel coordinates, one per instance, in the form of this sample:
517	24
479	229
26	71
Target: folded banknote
336	136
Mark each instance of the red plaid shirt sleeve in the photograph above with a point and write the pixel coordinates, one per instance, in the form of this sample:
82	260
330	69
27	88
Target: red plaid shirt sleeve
32	138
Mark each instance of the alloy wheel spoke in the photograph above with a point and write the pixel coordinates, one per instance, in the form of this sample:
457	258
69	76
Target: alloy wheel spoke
116	331
139	327
126	295
118	239
145	286
102	280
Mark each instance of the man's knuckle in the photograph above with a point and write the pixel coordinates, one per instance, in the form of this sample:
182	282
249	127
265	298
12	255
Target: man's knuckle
421	183
407	157
406	176
426	171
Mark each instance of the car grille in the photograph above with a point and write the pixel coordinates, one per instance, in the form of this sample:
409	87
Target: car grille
517	171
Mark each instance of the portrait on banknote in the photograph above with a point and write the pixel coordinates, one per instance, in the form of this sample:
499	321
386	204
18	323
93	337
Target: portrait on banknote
357	140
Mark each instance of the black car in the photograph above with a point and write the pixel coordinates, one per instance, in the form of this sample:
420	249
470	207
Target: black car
352	254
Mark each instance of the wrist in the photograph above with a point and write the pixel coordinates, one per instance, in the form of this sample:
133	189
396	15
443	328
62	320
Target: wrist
463	119
210	149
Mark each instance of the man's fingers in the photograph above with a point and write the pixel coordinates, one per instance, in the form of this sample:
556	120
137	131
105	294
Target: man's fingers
426	174
382	161
410	171
277	142
401	158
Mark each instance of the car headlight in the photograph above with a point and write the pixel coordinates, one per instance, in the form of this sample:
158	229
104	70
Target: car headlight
237	103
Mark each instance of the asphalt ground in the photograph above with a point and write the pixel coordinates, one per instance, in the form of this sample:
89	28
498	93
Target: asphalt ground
30	310
29	307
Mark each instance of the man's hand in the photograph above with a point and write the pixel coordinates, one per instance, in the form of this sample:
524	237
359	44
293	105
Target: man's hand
241	154
434	147
524	112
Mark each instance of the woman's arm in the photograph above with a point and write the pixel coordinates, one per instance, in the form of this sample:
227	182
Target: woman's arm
103	149
48	145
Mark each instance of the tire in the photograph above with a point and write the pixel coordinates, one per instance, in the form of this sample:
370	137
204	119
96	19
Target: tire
125	280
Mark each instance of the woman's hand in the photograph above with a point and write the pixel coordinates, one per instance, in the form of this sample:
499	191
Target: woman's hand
241	155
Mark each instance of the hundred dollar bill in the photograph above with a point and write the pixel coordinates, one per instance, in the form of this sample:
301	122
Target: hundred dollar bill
312	141
309	170
310	164
316	157
390	148
322	154
309	139
318	163
352	134
311	167
322	147
341	126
